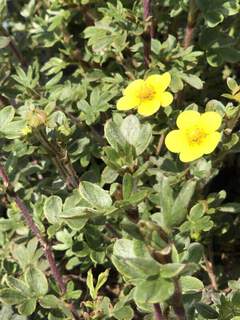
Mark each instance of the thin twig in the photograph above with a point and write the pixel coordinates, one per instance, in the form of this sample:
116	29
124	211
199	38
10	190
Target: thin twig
164	257
188	36
177	302
159	145
14	48
210	271
36	232
191	23
158	312
148	33
33	227
60	159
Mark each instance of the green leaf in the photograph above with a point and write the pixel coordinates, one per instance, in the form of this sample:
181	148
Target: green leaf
194	253
19	285
190	284
154	290
108	175
54	80
232	84
114	135
192	80
13	130
180	206
144	138
11	296
76	223
127	186
206	311
215	105
4	42
132	229
123	313
170	270
28	307
94	237
197	221
214	12
36	281
229	54
130	129
95	195
90	284
52	209
6	116
230	207
102	278
76	212
132	259
50	302
166	200
176	81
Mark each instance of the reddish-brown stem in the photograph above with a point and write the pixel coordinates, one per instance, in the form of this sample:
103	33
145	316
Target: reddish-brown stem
36	232
177	302
158	312
146	8
188	36
210	270
148	33
191	22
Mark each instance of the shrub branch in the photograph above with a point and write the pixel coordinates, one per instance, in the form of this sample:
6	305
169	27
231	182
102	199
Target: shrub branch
36	232
163	257
177	302
14	48
60	158
158	312
191	23
148	33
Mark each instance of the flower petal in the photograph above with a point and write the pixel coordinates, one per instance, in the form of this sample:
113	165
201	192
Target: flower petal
187	119
134	88
148	107
159	82
210	121
127	102
175	141
191	153
166	99
211	142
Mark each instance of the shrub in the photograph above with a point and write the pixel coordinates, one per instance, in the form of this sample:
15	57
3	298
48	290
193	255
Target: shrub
119	132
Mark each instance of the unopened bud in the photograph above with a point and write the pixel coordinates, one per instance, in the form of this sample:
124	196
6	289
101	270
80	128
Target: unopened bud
36	118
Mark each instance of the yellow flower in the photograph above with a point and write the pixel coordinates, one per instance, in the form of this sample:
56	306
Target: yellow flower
147	95
26	130
196	135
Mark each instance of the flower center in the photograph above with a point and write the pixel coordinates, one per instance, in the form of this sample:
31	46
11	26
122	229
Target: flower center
196	136
147	93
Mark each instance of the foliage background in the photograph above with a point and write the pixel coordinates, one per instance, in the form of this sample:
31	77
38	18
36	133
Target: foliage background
142	236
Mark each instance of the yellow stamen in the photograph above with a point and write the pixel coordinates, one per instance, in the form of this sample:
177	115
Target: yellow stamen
196	136
147	93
